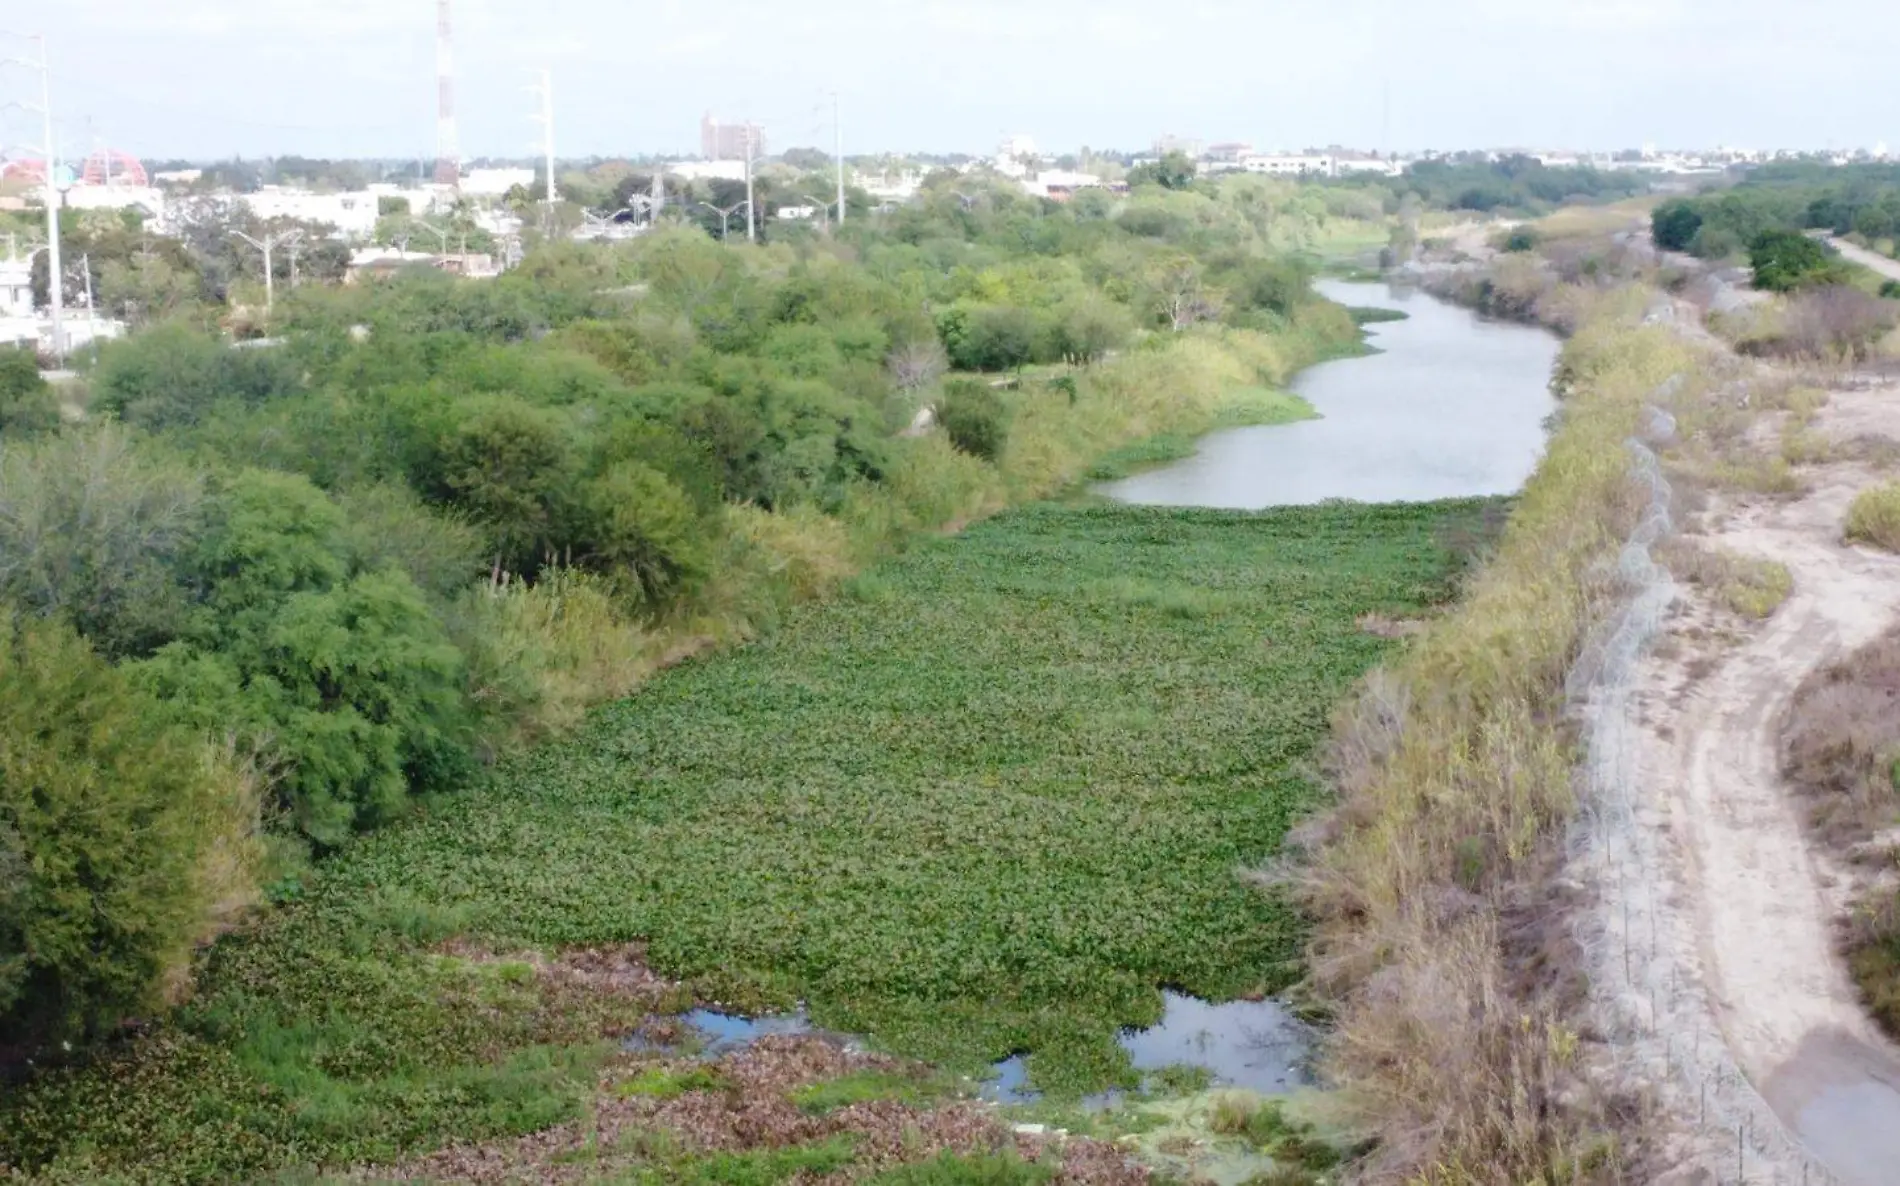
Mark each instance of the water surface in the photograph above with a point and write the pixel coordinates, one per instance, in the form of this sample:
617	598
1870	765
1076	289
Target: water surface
1453	406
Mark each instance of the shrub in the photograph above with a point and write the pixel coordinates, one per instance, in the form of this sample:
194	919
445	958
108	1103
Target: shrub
646	529
123	841
1874	517
1890	290
1674	225
171	375
973	416
1786	260
96	529
1521	239
28	406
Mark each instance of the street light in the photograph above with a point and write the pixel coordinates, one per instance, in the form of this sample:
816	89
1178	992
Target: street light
269	243
725	215
824	209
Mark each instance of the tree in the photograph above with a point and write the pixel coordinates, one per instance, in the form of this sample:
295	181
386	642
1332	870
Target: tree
95	531
507	465
123	840
974	418
917	364
1179	293
28	406
1786	260
1175	170
1674	225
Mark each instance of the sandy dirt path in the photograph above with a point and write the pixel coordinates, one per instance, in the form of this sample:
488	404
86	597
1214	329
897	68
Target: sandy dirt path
1754	908
1873	261
1767	906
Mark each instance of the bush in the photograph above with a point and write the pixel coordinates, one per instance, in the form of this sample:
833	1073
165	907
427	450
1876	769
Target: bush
1674	225
123	841
171	375
96	529
1874	517
28	406
973	416
1890	290
1786	260
1521	239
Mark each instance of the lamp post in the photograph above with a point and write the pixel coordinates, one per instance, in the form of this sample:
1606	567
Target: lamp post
268	244
725	215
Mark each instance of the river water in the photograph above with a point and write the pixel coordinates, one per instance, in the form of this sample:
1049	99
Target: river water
1452	406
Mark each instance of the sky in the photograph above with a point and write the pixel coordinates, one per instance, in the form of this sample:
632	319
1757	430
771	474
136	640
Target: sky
212	78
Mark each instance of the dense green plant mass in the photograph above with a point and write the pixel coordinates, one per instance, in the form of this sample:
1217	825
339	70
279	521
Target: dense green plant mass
1861	200
987	802
1787	260
118	838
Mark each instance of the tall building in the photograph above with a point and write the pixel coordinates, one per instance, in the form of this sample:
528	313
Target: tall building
727	142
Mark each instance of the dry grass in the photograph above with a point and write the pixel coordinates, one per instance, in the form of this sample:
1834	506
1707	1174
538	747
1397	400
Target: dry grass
1746	585
1841	751
1842	741
1454	772
1874	517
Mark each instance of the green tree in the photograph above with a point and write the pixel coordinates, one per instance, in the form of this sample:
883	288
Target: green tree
1175	170
1786	260
28	406
974	418
110	817
508	466
98	531
1674	225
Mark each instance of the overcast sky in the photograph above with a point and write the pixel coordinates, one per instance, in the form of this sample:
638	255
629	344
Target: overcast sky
202	78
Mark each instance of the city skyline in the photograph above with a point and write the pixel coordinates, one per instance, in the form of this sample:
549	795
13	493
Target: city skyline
357	77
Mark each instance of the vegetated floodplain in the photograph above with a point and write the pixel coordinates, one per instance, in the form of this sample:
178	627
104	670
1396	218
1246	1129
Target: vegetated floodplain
986	802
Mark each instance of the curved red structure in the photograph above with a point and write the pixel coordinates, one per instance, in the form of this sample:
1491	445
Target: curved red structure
25	169
114	167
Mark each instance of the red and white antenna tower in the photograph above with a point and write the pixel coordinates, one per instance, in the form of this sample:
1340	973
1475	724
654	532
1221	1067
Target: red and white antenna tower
448	158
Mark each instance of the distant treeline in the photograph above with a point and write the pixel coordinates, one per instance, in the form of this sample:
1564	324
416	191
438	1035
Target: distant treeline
1860	200
1512	185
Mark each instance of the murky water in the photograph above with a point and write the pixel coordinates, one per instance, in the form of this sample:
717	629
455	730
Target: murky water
1454	406
1252	1044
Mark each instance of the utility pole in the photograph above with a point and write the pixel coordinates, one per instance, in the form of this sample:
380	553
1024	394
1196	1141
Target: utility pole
751	132
55	289
837	129
546	119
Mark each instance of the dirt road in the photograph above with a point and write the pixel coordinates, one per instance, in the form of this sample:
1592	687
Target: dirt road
1872	260
1755	909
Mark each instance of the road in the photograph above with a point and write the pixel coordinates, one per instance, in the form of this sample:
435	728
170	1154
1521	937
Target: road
1871	260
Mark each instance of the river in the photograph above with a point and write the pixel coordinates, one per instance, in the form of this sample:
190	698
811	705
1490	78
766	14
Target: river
1451	406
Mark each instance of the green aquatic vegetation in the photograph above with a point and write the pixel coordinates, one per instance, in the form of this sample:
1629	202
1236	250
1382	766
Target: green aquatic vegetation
987	804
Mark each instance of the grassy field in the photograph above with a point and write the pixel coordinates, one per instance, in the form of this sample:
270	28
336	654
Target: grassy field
985	802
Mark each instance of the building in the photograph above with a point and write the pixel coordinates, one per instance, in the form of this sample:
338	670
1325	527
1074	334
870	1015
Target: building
1185	145
1357	163
1230	152
1305	164
493	183
16	284
707	170
729	142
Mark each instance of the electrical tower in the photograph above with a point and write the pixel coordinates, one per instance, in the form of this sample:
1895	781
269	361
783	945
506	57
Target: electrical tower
448	157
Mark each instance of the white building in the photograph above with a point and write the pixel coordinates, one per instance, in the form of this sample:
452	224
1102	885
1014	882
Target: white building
16	285
1366	164
708	170
1290	164
1059	182
352	214
148	201
493	183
